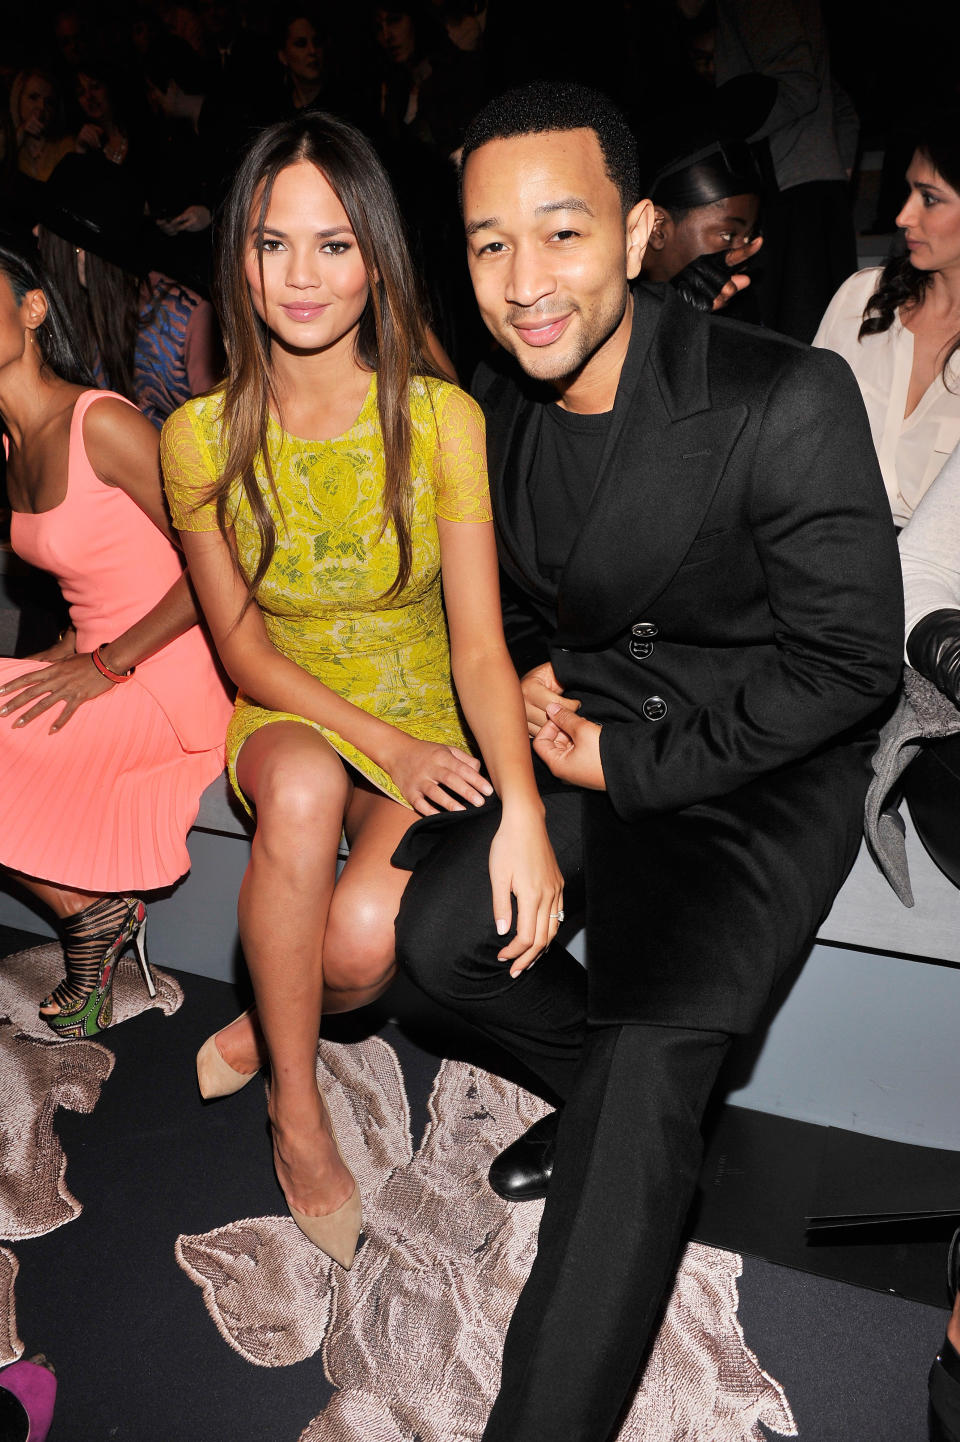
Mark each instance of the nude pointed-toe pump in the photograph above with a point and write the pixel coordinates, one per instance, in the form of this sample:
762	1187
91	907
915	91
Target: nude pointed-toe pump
337	1233
216	1077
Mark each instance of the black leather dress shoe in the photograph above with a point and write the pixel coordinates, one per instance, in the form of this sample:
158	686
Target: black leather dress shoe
522	1171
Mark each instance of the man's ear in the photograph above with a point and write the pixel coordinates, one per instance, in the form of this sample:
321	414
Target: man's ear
662	226
639	226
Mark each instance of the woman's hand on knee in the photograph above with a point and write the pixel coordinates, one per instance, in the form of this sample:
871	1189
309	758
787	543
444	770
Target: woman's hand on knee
522	865
432	776
68	683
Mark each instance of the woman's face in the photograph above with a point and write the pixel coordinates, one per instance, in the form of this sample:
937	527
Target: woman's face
395	34
93	98
183	22
36	103
315	286
706	230
141	34
930	219
465	31
302	53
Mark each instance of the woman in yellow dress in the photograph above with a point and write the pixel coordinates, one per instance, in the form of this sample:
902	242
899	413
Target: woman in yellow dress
324	496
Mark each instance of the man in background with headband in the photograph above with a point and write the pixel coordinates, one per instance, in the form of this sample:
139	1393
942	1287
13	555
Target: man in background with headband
706	215
705	606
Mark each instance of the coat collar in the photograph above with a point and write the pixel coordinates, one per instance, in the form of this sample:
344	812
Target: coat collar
661	463
514	404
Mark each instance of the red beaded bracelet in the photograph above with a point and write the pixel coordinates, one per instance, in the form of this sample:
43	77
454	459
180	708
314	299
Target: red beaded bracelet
115	676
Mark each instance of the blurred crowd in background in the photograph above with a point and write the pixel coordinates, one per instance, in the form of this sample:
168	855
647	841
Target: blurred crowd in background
158	99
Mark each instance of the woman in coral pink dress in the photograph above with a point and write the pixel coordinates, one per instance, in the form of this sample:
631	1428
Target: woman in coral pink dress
108	738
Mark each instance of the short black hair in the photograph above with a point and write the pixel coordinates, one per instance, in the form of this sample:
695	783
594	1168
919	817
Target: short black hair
548	106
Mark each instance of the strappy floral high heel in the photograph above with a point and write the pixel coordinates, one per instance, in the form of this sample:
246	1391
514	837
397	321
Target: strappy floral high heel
93	942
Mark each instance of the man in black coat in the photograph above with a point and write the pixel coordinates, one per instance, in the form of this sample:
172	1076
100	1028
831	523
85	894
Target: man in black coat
704	603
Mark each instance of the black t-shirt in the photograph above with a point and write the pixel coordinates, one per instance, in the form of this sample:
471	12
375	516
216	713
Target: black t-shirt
562	479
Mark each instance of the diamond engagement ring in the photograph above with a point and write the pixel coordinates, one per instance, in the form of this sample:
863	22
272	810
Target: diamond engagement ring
556	916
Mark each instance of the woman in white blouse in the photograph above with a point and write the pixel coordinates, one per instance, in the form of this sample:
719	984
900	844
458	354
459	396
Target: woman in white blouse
899	327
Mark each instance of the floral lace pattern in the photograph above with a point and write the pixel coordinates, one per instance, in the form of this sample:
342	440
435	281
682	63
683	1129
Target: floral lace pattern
325	594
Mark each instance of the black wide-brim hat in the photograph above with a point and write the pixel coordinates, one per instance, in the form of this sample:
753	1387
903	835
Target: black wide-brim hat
91	203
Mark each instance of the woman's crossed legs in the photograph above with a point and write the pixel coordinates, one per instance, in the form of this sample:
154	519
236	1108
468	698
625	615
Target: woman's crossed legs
311	940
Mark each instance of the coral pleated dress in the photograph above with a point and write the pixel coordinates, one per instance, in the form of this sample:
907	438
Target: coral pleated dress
105	804
326	595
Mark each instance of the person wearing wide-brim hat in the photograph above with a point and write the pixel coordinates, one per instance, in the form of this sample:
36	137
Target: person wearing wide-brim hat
141	332
94	206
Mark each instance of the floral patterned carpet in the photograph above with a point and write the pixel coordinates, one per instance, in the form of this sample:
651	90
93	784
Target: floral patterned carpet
408	1341
145	1249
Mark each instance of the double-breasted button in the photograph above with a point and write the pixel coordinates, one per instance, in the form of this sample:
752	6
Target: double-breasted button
640	650
645	630
654	708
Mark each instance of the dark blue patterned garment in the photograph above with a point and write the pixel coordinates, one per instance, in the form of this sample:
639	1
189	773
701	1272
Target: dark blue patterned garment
160	367
160	378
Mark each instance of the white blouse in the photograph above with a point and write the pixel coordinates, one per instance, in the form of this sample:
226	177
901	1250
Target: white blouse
930	548
911	450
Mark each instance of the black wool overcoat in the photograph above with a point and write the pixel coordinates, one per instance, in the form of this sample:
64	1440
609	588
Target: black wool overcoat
731	614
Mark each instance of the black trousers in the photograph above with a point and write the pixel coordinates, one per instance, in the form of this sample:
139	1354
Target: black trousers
733	887
809	249
628	1157
931	786
628	1149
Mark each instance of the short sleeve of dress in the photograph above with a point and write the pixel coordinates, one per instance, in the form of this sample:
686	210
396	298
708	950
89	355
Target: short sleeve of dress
189	471
462	491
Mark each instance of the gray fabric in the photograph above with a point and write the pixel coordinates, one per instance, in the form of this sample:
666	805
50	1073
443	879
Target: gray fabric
787	42
923	714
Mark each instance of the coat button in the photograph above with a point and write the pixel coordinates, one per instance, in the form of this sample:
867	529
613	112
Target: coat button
654	708
640	650
646	630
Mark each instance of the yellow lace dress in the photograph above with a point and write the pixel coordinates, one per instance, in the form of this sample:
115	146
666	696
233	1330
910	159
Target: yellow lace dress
324	602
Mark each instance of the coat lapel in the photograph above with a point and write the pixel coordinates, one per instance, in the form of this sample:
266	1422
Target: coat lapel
662	463
514	417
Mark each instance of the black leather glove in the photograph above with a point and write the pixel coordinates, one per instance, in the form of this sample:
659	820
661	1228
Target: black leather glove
700	282
933	649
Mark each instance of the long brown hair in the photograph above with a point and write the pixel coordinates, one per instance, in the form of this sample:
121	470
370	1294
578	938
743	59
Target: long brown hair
391	336
104	311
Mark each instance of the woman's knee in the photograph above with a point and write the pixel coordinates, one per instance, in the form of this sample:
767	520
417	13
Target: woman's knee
358	945
300	800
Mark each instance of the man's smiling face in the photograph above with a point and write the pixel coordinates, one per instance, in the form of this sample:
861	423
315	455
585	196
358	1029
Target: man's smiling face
549	249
